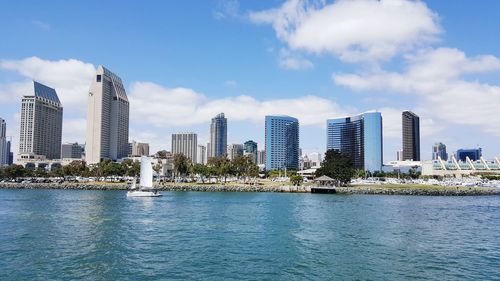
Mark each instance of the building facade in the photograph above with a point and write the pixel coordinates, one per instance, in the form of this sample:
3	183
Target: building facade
187	144
360	137
261	157
282	143
439	150
234	150
107	118
4	153
250	148
411	136
218	136
139	149
201	155
72	150
41	124
473	154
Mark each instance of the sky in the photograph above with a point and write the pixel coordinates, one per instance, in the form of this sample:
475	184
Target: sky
183	62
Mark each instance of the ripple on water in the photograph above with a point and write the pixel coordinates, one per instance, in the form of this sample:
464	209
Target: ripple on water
102	235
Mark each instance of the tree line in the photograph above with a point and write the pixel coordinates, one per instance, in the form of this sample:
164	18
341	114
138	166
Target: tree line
219	168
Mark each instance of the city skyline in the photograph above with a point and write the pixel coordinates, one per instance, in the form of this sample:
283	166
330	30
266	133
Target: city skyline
270	69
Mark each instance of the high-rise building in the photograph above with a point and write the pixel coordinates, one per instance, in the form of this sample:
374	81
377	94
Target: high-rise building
201	156
315	159
10	158
250	148
218	136
439	150
72	150
473	154
282	143
261	157
4	154
411	136
41	123
187	144
107	118
399	155
360	137
139	149
234	150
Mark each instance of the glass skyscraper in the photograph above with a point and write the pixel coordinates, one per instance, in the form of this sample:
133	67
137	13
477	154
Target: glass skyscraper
218	136
358	136
282	143
439	150
411	136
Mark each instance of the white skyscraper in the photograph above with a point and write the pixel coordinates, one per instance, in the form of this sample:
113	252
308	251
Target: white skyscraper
185	143
201	156
107	118
4	154
41	124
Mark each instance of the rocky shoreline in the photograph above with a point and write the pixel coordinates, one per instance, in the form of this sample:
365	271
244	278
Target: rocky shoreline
372	189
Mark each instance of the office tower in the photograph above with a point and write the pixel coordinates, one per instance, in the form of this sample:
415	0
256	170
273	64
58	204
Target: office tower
209	150
185	143
473	154
399	155
139	149
41	123
315	159
201	156
360	137
282	143
218	136
4	154
10	155
129	150
72	150
234	150
261	157
439	150
107	118
411	136
250	148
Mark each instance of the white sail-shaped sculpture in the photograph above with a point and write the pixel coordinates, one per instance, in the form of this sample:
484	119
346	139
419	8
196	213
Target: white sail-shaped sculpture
146	182
146	173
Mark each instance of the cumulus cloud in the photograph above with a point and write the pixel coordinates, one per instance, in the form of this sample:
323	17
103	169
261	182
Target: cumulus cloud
71	79
353	30
289	60
165	107
440	80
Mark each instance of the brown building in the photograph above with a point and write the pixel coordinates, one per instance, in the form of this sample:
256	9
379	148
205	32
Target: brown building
411	136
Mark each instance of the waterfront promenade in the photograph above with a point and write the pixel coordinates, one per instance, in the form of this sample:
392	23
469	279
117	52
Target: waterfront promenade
392	189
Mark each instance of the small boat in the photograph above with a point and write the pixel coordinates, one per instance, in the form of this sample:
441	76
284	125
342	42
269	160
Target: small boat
146	181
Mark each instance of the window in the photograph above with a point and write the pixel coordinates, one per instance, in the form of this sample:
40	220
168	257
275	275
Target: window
98	79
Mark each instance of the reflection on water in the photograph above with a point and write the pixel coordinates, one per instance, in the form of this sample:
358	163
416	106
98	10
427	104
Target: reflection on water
103	235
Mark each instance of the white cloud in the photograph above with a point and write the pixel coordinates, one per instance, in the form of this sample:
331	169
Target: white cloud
354	30
226	9
438	80
166	107
289	60
70	78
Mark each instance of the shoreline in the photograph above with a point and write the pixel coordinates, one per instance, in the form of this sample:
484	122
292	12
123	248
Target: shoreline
365	189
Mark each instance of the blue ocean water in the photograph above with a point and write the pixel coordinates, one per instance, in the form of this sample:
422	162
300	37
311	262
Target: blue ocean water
103	235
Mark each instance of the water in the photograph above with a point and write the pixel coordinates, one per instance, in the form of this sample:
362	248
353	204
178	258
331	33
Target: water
102	235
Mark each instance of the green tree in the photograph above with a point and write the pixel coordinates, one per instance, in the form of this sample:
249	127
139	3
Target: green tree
337	166
15	171
182	165
221	166
296	180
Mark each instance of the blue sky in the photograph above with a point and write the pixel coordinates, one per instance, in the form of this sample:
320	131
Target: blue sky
183	62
